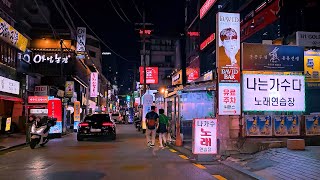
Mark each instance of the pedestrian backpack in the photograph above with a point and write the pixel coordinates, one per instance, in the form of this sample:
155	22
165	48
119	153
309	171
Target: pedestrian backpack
152	122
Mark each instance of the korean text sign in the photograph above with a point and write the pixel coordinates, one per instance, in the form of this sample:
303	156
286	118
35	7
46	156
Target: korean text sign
273	92
258	125
55	111
76	114
94	84
81	39
229	99
228	47
151	75
312	65
257	57
204	136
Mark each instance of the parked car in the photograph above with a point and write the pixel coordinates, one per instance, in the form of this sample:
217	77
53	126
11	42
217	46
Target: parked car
96	125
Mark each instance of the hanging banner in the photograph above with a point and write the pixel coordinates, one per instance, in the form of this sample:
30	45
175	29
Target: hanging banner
312	125
55	111
69	89
258	125
204	139
76	114
81	39
12	36
94	84
273	92
261	57
151	75
228	46
287	125
229	99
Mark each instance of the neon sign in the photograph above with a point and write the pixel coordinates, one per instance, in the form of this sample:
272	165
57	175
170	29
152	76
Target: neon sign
194	34
206	42
206	7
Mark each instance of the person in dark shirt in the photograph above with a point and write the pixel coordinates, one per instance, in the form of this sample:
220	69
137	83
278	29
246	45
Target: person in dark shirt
151	121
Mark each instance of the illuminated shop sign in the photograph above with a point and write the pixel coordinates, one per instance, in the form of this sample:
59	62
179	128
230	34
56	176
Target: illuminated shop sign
273	92
193	34
206	7
81	39
229	99
94	84
204	136
206	42
151	75
9	86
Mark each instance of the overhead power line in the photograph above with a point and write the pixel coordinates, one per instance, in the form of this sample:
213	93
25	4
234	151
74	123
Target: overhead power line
67	12
65	20
123	11
116	11
96	34
135	5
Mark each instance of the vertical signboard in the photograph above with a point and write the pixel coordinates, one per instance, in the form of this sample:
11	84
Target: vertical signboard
81	39
69	88
55	111
151	75
76	114
147	101
8	124
229	96
94	84
204	136
312	65
228	47
312	125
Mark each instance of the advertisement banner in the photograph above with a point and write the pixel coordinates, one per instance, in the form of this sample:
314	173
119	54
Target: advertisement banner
261	57
94	84
273	92
312	125
204	139
229	99
55	111
69	89
228	47
76	114
287	125
151	75
38	99
12	36
41	90
177	78
147	101
9	86
308	39
266	16
81	39
312	65
258	125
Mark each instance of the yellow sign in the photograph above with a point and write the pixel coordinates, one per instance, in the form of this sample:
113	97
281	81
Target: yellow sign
8	124
76	113
312	65
12	36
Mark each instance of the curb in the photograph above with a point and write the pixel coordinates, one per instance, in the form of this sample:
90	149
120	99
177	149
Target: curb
187	152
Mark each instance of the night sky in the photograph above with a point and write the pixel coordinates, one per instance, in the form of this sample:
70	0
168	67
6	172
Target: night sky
166	15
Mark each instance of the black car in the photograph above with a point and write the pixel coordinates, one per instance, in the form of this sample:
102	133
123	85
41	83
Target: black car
96	125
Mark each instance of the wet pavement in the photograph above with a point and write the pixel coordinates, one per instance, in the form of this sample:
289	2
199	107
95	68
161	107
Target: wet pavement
127	157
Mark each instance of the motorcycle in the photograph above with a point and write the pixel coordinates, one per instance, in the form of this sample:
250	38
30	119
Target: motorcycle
40	131
137	123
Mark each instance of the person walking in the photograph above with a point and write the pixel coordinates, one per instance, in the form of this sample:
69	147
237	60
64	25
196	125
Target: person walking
162	128
151	120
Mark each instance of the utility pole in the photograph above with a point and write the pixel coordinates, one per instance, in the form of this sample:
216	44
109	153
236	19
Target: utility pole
144	53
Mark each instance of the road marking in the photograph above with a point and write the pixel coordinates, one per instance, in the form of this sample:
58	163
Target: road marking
219	177
172	150
199	166
184	157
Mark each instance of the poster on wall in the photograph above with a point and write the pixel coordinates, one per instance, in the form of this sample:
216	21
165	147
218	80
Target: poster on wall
81	39
273	92
76	114
55	111
312	125
258	125
287	125
94	84
228	47
229	99
69	88
260	57
151	75
204	139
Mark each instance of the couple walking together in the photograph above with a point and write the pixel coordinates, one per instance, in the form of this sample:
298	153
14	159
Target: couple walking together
156	124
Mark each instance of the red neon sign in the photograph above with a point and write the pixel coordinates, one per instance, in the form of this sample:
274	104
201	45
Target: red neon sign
151	75
146	32
206	7
38	99
194	34
206	42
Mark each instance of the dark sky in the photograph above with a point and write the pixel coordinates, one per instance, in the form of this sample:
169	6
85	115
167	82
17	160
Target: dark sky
166	15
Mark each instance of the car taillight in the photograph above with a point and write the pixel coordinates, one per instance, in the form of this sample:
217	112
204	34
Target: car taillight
107	124
83	124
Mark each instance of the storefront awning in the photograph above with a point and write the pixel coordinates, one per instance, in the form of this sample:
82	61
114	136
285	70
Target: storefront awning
207	86
10	98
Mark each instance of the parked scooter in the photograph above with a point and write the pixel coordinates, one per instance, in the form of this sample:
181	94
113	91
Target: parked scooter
40	131
137	123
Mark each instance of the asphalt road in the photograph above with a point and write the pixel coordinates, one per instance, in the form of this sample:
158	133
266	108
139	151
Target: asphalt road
126	158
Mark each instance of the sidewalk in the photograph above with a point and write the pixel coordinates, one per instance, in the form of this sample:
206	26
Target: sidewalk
12	140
